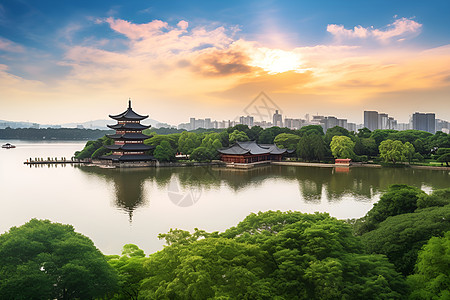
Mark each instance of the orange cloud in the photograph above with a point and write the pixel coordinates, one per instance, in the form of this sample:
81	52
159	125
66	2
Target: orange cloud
196	70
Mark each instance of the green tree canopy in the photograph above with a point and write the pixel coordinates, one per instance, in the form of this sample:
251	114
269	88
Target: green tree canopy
44	260
432	277
187	142
287	141
164	152
201	154
130	267
238	136
401	237
94	149
314	256
395	151
398	199
443	155
364	133
436	198
311	147
380	135
311	129
335	131
342	147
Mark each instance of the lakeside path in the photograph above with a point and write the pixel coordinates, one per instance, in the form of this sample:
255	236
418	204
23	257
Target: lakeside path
321	165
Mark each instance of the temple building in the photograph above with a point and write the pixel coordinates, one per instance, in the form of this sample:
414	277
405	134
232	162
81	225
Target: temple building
250	152
128	140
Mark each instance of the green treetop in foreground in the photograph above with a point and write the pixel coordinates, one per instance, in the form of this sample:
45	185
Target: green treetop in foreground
44	260
403	254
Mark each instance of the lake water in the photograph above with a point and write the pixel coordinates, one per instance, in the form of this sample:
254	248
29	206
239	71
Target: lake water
114	207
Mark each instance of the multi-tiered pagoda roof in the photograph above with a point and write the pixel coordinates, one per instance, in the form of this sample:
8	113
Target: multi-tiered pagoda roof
128	139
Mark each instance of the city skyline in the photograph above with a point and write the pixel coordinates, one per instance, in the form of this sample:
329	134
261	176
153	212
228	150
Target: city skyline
63	62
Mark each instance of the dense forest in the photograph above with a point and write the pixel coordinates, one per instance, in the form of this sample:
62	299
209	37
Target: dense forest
399	250
52	133
310	144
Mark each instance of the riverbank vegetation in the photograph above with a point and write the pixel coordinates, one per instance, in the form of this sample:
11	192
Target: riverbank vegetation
399	250
310	143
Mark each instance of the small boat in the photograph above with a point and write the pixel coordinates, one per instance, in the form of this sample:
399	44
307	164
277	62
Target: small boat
8	146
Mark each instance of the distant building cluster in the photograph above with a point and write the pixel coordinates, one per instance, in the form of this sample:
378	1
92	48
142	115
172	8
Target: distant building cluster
372	120
418	121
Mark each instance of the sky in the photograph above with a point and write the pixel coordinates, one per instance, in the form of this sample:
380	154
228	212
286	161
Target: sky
75	61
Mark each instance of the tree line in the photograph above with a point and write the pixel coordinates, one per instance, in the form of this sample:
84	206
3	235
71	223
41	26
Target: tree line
310	143
399	250
52	133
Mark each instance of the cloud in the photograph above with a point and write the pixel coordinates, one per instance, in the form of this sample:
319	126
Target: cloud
195	70
10	46
399	29
222	63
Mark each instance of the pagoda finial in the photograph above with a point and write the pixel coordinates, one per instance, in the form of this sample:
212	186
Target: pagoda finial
129	102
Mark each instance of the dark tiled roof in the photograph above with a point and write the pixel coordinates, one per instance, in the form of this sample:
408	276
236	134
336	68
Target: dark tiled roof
251	147
273	149
235	150
129	126
128	157
129	114
129	147
128	136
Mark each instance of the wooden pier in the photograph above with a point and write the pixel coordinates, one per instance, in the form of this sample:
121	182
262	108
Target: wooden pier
62	161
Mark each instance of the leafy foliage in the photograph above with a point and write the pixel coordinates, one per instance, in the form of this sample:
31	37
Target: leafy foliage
335	131
398	199
164	152
432	278
437	198
311	147
130	267
287	141
94	149
342	147
238	136
443	155
44	260
401	237
395	151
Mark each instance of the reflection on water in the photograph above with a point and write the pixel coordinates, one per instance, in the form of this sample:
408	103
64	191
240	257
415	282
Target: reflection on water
184	186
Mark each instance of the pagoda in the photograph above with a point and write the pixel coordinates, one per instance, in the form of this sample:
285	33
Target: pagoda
128	140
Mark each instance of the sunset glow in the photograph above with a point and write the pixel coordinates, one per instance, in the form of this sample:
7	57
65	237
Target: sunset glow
196	60
276	61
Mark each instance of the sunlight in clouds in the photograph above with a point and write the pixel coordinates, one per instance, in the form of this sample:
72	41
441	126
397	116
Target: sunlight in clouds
192	67
275	60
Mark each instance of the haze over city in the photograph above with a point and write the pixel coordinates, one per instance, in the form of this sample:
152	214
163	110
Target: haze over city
77	61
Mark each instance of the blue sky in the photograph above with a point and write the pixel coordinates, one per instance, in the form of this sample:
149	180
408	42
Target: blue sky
48	47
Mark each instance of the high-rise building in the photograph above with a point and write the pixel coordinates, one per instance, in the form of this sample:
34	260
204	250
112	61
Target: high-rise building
342	123
208	124
351	127
277	119
442	125
329	122
383	121
371	120
248	120
293	123
424	121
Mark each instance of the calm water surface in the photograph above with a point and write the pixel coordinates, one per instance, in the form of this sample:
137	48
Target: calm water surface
115	207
